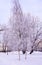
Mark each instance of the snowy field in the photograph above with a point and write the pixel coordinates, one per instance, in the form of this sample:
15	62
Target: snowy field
13	59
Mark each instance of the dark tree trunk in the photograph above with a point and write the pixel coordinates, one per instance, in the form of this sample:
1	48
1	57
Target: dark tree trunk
23	52
31	51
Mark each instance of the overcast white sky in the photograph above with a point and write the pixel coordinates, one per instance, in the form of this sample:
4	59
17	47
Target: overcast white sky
32	6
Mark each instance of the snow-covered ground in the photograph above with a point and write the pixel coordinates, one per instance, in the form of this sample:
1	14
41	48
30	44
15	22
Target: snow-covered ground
13	59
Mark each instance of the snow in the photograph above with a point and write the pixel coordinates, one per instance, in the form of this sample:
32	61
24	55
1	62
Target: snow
13	59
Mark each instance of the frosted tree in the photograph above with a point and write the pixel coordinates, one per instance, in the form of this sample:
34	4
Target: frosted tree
18	24
16	13
23	32
5	39
35	35
12	36
2	29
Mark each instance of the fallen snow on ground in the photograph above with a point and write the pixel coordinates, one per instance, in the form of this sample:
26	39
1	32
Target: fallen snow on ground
13	59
